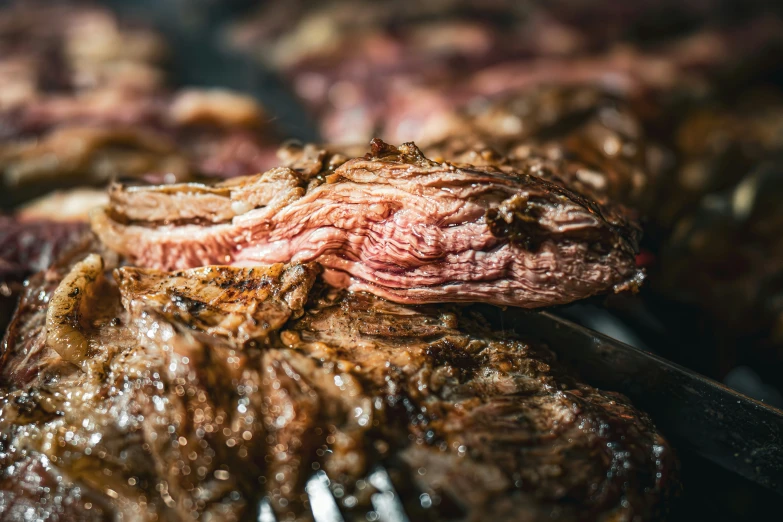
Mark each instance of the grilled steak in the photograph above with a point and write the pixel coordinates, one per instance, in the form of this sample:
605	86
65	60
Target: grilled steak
173	396
137	391
392	223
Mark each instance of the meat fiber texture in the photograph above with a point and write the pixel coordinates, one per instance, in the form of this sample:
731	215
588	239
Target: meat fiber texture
392	223
137	394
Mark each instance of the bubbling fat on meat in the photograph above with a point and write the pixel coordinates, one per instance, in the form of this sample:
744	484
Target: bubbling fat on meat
392	223
194	394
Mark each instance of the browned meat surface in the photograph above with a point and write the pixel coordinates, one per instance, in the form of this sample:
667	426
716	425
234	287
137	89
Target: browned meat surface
191	395
393	223
137	392
475	397
592	140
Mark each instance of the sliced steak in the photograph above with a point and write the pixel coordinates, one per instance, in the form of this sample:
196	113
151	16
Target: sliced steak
144	395
392	223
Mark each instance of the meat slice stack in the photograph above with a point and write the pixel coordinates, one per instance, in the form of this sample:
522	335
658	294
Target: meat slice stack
393	223
139	394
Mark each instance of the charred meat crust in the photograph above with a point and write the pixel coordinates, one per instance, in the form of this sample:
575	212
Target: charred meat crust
243	305
522	423
24	343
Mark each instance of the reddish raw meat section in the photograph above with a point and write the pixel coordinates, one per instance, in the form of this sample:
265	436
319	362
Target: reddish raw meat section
392	223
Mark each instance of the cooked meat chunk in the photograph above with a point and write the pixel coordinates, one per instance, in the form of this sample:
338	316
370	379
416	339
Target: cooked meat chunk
67	315
229	302
392	223
477	401
591	138
138	399
202	391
